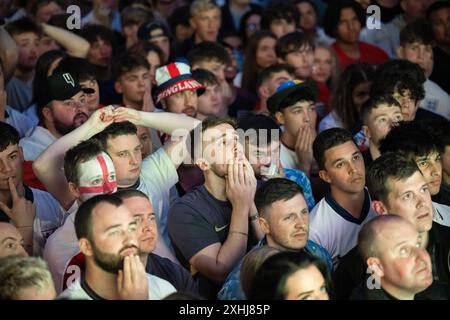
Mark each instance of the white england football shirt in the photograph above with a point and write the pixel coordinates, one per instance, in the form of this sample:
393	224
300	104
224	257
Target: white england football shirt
334	228
157	289
49	217
59	250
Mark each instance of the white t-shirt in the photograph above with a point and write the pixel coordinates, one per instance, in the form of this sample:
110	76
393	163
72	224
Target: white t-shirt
334	228
60	249
158	176
19	121
436	100
157	289
441	214
387	37
288	157
331	120
36	142
49	217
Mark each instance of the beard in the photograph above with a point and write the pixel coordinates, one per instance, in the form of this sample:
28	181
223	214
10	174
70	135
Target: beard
219	170
110	262
77	121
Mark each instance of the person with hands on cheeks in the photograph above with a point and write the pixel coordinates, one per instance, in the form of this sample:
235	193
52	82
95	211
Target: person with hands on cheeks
292	105
262	149
212	225
107	233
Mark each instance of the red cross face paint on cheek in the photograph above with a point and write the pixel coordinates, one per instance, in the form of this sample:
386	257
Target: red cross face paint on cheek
97	177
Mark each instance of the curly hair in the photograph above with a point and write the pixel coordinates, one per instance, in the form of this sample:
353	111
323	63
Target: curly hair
398	76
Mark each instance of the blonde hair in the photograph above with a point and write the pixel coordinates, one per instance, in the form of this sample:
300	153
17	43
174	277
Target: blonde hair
18	273
335	68
198	6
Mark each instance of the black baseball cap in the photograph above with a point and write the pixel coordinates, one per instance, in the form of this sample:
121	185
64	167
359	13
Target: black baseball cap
308	90
62	86
151	30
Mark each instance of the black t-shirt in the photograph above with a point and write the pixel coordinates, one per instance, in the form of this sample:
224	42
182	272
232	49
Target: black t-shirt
243	103
367	157
352	269
387	14
436	291
441	69
196	221
443	196
178	276
428	116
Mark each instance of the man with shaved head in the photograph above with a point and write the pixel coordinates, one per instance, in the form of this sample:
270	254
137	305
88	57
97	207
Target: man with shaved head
392	248
142	210
397	187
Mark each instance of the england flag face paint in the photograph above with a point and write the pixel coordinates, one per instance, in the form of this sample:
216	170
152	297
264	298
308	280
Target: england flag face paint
98	176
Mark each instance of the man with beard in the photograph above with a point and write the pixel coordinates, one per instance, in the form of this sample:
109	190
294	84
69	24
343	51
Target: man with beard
212	225
63	110
155	175
141	208
88	172
107	233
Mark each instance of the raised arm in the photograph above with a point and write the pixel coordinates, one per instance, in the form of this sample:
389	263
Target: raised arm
75	45
48	167
165	122
217	260
8	54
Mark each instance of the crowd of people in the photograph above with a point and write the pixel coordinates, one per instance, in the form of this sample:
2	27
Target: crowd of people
224	150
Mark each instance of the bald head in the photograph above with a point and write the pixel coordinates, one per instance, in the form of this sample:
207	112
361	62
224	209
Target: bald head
11	242
394	251
379	232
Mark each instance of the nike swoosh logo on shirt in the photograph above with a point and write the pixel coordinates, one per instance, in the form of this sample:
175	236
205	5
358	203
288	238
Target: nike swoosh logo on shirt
218	229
